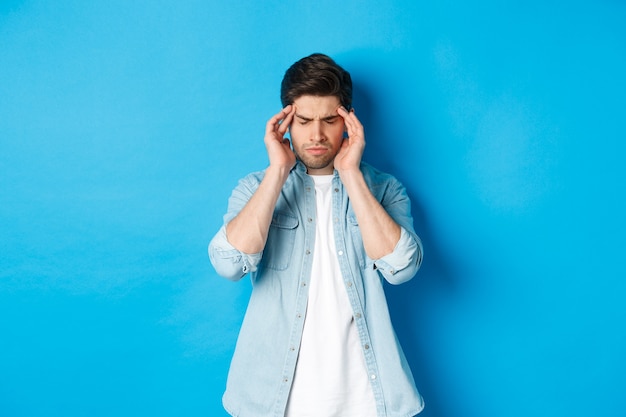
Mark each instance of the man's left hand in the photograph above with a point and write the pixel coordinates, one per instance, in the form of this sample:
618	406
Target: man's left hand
349	157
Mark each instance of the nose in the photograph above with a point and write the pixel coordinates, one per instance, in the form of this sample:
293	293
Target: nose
317	133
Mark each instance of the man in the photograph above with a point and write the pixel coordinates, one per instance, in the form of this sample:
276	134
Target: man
318	230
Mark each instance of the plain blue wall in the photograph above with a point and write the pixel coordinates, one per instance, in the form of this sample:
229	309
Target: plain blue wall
125	125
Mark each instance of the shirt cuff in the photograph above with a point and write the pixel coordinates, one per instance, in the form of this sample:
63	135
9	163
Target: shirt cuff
228	260
406	254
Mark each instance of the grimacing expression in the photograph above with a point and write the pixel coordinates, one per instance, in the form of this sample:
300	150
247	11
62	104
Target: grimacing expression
317	132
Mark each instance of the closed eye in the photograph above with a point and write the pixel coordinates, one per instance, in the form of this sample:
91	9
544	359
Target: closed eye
305	120
302	120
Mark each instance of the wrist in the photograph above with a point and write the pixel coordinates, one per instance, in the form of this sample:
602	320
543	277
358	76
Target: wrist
278	172
350	174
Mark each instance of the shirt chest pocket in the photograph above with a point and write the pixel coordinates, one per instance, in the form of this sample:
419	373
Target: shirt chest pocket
280	241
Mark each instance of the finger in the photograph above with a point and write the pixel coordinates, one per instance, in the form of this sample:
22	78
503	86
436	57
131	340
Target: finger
274	122
349	117
343	112
286	122
353	125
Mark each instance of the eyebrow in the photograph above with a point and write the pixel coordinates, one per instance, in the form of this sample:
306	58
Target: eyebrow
325	119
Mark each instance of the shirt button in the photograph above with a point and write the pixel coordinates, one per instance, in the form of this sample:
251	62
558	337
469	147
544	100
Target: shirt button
304	284
372	377
309	220
357	315
340	253
349	284
366	346
308	252
336	190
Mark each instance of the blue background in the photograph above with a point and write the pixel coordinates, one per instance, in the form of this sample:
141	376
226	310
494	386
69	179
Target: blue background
125	125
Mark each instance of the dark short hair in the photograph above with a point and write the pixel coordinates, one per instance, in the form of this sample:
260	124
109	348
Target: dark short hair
316	75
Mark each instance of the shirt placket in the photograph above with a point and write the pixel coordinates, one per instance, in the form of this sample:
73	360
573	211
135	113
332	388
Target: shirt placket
351	288
301	289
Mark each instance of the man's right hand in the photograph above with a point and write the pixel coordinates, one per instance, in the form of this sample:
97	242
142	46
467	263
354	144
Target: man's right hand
249	229
278	147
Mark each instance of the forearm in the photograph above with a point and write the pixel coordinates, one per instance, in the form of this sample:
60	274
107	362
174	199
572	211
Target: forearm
248	231
379	231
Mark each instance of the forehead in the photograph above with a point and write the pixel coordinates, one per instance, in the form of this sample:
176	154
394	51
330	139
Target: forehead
316	106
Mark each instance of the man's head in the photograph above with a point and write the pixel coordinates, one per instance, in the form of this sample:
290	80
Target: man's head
316	87
316	75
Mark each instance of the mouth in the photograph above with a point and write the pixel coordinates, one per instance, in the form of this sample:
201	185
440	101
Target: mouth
317	150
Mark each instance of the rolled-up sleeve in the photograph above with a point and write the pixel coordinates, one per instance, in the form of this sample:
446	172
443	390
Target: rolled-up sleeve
228	261
401	265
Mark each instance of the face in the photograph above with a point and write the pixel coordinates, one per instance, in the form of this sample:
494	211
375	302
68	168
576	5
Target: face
317	132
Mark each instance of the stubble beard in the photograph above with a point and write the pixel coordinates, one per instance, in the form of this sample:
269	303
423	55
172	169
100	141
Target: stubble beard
317	162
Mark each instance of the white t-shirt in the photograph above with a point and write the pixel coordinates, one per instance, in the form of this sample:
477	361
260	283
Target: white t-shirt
330	378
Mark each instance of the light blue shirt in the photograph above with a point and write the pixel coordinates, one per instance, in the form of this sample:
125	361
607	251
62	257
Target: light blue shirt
265	357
